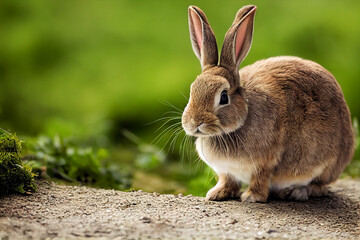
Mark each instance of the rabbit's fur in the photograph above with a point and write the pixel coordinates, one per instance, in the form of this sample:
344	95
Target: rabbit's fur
286	129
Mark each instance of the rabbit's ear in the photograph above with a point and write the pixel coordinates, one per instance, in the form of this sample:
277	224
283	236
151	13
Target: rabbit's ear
202	38
238	39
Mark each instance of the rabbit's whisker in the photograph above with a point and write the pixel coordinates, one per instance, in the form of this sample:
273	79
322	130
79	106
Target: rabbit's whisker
177	113
173	142
166	131
184	96
163	118
169	104
166	122
176	131
188	144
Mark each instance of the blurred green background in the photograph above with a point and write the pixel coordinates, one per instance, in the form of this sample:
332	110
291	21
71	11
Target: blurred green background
95	73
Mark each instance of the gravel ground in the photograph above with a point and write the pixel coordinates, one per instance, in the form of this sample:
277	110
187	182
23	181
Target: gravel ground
66	212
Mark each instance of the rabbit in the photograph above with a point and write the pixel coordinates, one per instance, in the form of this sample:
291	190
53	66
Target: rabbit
280	125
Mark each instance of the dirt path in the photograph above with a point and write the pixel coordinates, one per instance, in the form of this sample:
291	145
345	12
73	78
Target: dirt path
78	212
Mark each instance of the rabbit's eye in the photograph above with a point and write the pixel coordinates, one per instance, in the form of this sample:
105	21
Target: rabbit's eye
224	98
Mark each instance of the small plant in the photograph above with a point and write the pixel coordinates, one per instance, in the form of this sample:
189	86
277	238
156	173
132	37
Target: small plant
14	175
353	169
148	156
64	159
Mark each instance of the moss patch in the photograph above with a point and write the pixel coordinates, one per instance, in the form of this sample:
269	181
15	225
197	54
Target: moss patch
14	175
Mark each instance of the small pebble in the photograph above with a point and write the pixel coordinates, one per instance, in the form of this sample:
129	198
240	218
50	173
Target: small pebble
146	220
233	221
180	195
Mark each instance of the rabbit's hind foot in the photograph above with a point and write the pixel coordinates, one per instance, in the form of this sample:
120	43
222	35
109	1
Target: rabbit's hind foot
295	193
301	193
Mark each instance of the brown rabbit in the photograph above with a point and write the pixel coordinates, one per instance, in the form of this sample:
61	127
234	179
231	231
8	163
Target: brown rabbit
280	125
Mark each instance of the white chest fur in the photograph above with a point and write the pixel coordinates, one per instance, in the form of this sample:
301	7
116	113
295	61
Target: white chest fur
239	168
243	168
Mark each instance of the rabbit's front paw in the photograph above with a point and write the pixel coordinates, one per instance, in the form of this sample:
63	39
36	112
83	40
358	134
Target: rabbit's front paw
252	197
226	188
220	194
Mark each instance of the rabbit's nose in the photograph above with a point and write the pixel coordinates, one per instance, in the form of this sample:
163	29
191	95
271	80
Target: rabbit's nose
197	123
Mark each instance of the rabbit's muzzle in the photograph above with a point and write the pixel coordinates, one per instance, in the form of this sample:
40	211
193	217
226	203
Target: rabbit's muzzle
200	124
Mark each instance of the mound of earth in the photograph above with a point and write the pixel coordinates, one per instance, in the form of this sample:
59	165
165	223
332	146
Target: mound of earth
66	212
